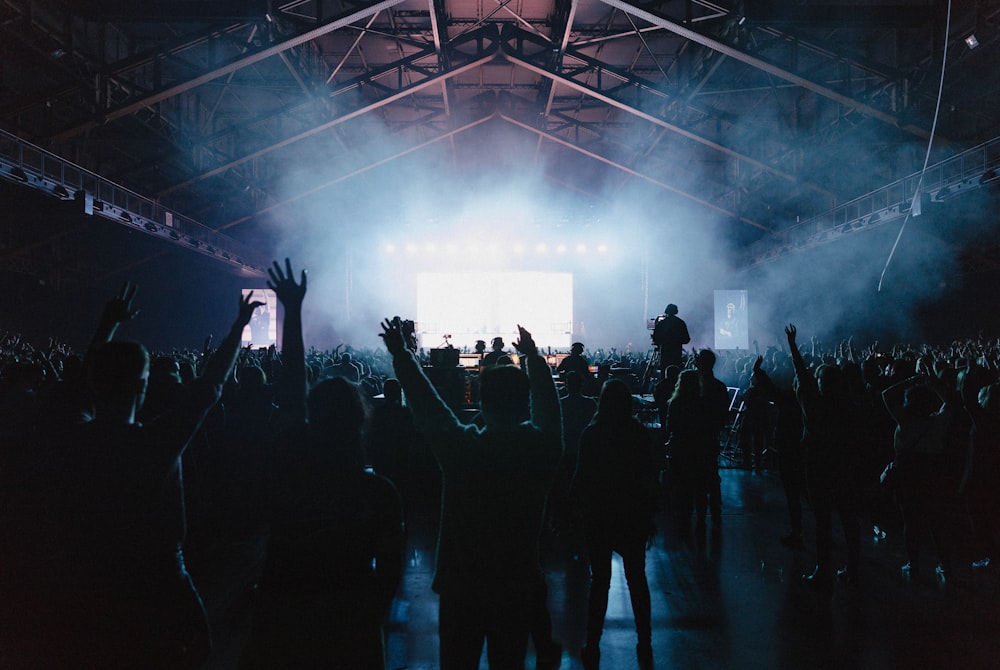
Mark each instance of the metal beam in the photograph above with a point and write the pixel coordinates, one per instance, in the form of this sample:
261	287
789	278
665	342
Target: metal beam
402	93
237	64
635	173
765	66
614	102
371	166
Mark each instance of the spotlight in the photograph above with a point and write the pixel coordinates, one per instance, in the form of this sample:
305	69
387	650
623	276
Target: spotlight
581	248
18	174
60	192
518	248
541	248
390	248
151	227
411	248
124	216
971	42
174	236
602	248
988	176
561	249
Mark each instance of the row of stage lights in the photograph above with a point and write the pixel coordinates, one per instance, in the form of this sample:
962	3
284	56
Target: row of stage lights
492	249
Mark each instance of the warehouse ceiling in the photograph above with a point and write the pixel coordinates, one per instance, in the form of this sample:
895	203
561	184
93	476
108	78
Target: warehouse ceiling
751	115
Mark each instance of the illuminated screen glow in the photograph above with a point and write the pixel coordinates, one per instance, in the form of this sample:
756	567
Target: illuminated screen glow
731	320
483	305
262	331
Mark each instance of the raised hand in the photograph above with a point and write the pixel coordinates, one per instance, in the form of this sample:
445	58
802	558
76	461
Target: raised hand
524	344
757	363
119	309
247	306
283	284
790	332
392	335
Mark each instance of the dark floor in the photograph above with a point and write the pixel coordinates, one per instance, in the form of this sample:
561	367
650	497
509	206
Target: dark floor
728	599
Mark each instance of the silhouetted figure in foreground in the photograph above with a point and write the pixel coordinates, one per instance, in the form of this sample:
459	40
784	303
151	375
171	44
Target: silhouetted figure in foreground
495	481
923	411
96	577
832	462
616	489
335	548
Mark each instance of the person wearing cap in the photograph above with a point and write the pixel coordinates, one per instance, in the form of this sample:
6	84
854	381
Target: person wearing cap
575	362
492	358
670	334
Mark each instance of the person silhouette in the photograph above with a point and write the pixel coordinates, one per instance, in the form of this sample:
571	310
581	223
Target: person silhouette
494	484
103	582
669	335
616	490
334	554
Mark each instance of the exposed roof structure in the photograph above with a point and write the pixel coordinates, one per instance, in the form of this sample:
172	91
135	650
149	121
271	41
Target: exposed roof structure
760	114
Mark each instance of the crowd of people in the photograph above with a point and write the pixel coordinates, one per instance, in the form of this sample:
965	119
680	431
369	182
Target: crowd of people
331	458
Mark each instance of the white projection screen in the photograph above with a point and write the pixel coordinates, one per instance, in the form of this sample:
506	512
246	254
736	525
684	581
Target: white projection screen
262	331
731	331
472	306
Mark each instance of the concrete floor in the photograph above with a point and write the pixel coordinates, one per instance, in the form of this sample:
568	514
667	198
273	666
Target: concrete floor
727	599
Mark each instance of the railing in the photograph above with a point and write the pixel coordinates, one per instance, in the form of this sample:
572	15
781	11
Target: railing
970	169
25	163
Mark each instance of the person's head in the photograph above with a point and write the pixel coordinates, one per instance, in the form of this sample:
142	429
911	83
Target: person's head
480	346
119	378
688	385
392	391
615	402
346	358
576	349
670	309
504	394
165	370
704	360
336	420
989	398
497	344
831	381
921	400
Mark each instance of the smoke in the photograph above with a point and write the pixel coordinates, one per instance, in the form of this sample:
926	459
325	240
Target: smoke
487	199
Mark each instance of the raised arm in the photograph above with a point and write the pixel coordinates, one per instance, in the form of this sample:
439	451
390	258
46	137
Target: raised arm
292	382
545	408
429	411
220	365
116	311
800	365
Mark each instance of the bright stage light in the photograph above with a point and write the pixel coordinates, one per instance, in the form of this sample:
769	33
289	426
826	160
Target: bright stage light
390	248
430	247
561	249
581	248
452	248
519	248
411	248
602	248
541	248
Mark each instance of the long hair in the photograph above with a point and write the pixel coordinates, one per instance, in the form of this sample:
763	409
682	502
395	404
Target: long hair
614	406
688	386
